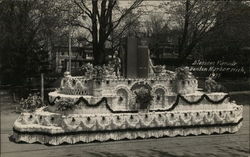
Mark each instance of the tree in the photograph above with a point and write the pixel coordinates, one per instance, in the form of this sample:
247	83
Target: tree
158	32
131	26
28	28
194	19
232	32
104	16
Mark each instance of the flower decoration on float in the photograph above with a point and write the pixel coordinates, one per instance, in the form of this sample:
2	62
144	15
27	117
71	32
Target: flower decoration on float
31	103
87	70
98	72
66	105
183	73
143	97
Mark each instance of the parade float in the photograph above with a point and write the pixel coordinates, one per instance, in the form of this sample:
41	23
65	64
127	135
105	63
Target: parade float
102	106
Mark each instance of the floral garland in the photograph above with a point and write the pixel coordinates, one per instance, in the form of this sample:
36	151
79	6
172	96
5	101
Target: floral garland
66	105
104	100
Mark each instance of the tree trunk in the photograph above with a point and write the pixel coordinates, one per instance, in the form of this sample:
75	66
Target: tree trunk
96	51
187	52
183	40
101	55
98	35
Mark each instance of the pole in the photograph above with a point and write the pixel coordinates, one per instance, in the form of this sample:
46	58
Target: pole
70	53
42	88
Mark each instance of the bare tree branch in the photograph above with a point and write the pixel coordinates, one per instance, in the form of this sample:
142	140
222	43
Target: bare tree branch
83	26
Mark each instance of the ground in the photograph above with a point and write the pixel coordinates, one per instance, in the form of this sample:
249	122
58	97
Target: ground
206	145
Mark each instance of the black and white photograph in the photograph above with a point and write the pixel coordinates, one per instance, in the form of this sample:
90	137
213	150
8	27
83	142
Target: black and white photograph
125	78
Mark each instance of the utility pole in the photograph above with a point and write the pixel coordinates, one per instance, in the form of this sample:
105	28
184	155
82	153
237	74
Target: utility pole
70	52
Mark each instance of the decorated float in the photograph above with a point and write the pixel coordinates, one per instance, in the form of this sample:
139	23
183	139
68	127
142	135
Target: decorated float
102	106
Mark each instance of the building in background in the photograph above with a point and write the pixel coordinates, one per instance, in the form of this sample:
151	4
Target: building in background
80	55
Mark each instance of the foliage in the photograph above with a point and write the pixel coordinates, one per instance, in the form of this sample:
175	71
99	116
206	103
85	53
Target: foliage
28	28
66	105
98	72
143	97
192	20
226	42
130	26
159	69
183	73
159	33
192	27
109	70
31	103
212	86
87	69
100	22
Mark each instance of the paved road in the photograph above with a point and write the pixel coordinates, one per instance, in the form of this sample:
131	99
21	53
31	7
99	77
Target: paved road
215	145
